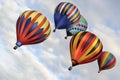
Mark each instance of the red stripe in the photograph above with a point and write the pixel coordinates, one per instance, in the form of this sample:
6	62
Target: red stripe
60	7
89	44
18	27
110	64
29	26
39	40
76	21
79	50
36	29
37	36
23	24
71	11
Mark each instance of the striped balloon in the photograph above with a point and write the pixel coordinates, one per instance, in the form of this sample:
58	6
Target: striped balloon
80	26
32	27
106	61
85	47
65	15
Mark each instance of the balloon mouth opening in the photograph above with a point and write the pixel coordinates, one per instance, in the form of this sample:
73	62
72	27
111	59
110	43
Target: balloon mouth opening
99	71
74	62
18	44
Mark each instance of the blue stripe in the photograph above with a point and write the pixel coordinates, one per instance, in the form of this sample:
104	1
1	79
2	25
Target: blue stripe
58	8
32	28
26	24
37	33
108	60
74	14
42	36
18	22
22	19
64	8
69	8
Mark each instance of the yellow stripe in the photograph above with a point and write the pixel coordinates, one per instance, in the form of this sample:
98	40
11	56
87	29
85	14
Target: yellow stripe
104	59
71	48
48	31
74	45
40	19
23	13
83	57
94	52
44	26
32	15
75	16
75	50
66	8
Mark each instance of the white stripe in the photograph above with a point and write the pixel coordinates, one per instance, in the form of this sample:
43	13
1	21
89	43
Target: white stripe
62	7
76	19
69	10
73	13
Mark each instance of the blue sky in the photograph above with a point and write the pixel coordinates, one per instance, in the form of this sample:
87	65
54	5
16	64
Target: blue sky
50	60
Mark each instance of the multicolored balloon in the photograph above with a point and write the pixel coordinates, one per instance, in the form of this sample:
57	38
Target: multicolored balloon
85	47
65	15
106	61
32	27
80	26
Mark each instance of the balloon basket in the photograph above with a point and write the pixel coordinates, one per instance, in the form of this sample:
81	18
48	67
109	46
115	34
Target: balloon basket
15	47
70	68
65	37
54	30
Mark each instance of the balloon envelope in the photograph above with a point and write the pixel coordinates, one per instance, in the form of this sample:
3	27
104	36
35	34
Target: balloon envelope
85	47
65	15
32	27
106	61
80	26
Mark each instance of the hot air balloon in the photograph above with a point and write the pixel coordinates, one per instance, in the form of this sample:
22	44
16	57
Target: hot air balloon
32	27
80	26
65	15
106	61
85	47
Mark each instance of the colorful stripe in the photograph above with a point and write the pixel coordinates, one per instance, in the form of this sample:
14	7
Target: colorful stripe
72	12
80	26
32	27
85	47
106	61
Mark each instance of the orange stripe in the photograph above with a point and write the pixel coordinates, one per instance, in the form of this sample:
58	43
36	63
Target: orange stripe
79	50
60	7
81	44
44	38
76	21
18	27
36	29
71	47
30	25
71	11
89	45
37	36
23	24
90	59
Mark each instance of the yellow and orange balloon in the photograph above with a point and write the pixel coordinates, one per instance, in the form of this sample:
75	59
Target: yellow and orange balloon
85	47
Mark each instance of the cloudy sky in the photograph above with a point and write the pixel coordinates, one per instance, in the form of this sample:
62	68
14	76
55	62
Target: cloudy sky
50	60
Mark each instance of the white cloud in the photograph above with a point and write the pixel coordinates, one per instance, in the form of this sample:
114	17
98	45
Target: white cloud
50	59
